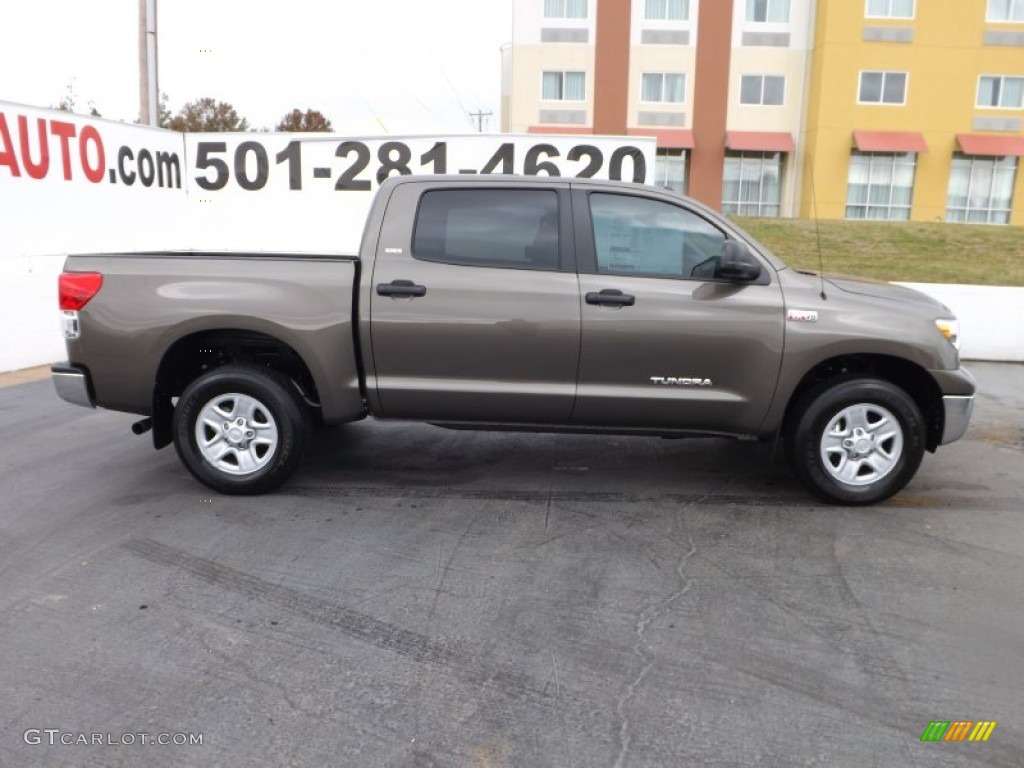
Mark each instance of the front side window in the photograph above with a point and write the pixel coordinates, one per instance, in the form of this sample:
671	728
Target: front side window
768	11
1005	10
670	170
511	228
565	9
752	183
883	88
667	10
663	87
999	92
564	86
890	9
981	189
880	186
765	90
635	236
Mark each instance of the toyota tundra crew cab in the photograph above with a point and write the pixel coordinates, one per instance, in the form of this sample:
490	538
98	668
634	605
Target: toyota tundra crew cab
517	303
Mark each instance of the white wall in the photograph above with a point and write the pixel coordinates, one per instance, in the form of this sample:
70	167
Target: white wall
991	319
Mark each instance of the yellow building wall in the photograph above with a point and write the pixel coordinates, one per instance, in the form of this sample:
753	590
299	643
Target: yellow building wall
943	62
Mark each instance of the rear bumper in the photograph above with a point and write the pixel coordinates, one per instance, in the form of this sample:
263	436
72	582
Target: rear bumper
958	410
72	384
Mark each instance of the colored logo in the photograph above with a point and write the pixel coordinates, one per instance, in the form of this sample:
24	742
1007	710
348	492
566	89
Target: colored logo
958	730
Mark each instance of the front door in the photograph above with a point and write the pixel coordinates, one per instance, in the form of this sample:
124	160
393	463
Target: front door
475	310
665	344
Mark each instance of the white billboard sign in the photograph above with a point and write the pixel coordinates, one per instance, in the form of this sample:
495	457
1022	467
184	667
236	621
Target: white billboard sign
312	192
75	184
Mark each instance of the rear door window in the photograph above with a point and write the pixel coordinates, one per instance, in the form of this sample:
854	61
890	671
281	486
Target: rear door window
510	228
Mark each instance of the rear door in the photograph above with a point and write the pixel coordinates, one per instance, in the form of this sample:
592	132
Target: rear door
665	344
475	311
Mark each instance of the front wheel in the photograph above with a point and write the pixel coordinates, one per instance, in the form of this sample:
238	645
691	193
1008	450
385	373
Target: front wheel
856	441
240	429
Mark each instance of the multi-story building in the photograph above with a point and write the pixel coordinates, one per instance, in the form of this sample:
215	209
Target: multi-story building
863	109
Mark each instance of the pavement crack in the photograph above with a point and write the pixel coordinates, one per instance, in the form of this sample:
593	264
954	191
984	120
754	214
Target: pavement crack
445	569
561	712
644	653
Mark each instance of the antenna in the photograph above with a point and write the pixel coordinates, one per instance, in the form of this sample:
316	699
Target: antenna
817	230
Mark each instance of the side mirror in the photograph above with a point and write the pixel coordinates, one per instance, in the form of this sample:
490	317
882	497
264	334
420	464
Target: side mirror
737	264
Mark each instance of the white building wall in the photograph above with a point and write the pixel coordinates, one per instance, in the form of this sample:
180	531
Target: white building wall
791	61
660	57
529	58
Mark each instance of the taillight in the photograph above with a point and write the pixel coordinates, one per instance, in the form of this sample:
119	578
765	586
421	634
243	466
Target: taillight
77	288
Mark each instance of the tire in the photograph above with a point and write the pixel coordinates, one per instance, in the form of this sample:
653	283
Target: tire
855	441
241	429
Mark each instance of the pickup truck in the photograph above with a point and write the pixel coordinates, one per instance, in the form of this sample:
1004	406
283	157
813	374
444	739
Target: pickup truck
507	303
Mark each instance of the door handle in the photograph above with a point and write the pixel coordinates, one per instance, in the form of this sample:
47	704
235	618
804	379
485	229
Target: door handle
611	297
401	288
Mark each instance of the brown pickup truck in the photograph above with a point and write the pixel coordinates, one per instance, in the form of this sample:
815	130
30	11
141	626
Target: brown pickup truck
517	303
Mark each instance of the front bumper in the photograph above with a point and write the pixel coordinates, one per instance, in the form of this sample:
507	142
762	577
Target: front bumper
958	409
72	384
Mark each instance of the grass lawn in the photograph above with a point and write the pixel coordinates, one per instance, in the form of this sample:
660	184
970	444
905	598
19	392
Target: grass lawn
916	252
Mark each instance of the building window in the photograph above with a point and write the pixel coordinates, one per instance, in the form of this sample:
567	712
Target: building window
890	9
663	87
667	10
565	9
998	92
564	86
670	170
766	90
752	183
770	11
881	186
883	88
981	189
1005	10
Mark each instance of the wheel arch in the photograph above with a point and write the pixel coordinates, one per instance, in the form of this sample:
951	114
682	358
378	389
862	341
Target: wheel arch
905	374
200	351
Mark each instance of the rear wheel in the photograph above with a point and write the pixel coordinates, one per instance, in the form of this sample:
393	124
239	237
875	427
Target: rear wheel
241	429
856	441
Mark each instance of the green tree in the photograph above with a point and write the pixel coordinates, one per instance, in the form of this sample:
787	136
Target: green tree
310	121
208	115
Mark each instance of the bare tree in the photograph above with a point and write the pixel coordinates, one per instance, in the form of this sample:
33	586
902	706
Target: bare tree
208	115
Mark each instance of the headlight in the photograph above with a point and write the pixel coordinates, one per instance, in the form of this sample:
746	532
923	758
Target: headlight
950	328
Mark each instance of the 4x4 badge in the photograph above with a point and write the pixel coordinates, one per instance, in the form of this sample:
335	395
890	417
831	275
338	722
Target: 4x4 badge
802	315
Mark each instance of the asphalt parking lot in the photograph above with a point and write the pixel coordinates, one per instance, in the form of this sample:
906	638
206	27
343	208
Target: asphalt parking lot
419	597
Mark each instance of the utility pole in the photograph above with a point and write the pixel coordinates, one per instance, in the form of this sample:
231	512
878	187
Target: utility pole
149	86
479	116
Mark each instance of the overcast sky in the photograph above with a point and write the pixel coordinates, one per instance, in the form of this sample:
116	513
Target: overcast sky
401	66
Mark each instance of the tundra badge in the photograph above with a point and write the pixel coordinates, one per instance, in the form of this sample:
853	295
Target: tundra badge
672	381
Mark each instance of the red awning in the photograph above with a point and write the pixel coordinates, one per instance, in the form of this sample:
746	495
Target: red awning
759	141
889	141
977	144
668	138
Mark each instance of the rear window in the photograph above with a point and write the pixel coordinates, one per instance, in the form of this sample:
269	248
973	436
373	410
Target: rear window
510	228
